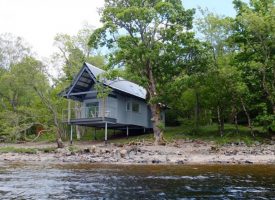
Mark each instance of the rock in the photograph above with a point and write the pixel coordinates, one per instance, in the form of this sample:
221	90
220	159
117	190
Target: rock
178	153
123	153
63	151
93	149
257	143
131	154
159	153
176	145
142	161
134	149
103	151
214	148
86	150
248	162
107	151
116	154
242	143
230	153
196	145
179	162
118	145
156	161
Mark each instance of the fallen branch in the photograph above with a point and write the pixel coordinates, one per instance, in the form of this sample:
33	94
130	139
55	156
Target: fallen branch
39	134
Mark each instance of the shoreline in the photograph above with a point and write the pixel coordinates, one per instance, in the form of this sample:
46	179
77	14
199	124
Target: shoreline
178	153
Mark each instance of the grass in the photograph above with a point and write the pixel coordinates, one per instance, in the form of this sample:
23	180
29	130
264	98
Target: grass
11	149
204	133
210	133
74	149
186	132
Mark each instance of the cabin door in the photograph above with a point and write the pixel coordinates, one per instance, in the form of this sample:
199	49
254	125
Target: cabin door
92	109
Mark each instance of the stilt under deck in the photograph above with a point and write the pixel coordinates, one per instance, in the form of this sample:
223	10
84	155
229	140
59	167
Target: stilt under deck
102	123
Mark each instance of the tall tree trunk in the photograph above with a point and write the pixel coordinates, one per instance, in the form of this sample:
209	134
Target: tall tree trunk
197	111
53	110
221	121
155	107
248	118
235	116
156	121
236	122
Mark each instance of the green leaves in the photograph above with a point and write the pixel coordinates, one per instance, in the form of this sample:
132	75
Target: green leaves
150	39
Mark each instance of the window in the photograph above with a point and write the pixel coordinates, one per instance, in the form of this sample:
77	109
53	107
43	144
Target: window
135	107
128	106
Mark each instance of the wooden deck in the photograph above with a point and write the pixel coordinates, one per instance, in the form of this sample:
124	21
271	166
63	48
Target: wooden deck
93	122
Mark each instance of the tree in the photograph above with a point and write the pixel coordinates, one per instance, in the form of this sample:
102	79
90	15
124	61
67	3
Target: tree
73	52
215	30
254	36
20	106
12	50
151	40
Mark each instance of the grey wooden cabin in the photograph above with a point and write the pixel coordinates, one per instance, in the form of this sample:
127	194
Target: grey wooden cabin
125	106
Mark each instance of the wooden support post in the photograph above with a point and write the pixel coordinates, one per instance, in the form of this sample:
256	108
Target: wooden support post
127	132
71	137
106	132
69	110
95	134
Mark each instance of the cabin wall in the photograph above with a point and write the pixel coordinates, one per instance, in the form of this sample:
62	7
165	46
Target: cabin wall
117	105
130	117
121	108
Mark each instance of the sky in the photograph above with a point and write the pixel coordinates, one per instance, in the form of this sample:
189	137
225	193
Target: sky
38	21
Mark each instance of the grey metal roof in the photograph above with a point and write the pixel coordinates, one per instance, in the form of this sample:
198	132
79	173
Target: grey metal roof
120	83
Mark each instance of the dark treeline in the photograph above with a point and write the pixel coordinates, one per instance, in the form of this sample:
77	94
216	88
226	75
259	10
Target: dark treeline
212	69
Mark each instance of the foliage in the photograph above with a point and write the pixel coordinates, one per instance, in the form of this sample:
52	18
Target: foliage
254	37
152	40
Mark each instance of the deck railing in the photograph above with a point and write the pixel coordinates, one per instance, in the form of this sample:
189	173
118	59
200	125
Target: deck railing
89	113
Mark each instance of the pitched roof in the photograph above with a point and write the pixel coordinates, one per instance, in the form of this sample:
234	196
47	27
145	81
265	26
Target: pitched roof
119	83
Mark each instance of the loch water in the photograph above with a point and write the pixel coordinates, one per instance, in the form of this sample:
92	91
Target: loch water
94	181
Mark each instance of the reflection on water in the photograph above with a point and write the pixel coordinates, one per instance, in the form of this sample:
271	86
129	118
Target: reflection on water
90	181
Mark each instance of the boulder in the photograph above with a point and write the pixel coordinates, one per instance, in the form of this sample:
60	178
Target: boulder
86	150
116	154
123	153
107	151
93	149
